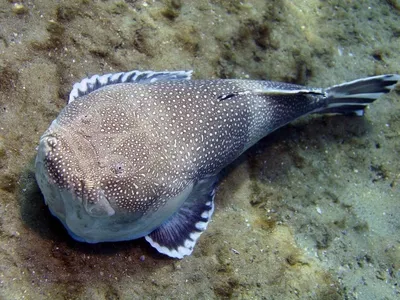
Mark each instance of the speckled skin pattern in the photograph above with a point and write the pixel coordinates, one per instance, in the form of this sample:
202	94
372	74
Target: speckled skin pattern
127	149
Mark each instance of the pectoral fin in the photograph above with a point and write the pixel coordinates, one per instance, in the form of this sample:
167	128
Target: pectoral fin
177	236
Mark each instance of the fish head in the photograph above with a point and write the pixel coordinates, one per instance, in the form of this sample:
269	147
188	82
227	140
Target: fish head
102	185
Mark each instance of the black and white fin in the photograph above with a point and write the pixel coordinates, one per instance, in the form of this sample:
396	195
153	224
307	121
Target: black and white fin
179	234
90	84
354	96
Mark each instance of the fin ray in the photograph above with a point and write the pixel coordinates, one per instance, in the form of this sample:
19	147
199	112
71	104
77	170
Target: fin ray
179	234
355	96
95	82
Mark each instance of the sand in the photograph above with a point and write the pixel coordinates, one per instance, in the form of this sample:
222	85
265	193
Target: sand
310	212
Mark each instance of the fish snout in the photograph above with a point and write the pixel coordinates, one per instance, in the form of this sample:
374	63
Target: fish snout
57	160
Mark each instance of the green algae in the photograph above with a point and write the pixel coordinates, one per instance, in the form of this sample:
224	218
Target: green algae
172	9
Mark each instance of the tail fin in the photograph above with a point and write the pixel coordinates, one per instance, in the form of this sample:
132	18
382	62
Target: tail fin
354	96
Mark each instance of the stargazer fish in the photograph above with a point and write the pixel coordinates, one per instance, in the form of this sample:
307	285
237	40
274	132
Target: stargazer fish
138	154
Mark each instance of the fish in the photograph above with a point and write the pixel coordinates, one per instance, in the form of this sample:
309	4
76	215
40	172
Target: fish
138	154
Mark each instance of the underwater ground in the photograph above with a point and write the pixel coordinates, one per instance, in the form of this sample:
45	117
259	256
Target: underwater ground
310	212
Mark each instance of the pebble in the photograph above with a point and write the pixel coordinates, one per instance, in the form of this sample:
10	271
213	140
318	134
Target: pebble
19	9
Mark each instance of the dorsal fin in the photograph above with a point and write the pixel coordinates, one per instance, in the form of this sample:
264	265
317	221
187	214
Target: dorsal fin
272	92
90	84
277	92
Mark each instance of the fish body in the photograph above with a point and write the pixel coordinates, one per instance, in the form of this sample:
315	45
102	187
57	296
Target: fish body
138	154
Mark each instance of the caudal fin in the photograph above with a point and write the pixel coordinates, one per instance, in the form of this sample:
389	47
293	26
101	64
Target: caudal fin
354	96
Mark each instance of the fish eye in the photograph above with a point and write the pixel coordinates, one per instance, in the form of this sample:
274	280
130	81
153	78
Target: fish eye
86	118
118	168
52	142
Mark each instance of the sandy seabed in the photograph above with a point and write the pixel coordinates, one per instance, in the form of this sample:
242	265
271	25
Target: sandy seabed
310	212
